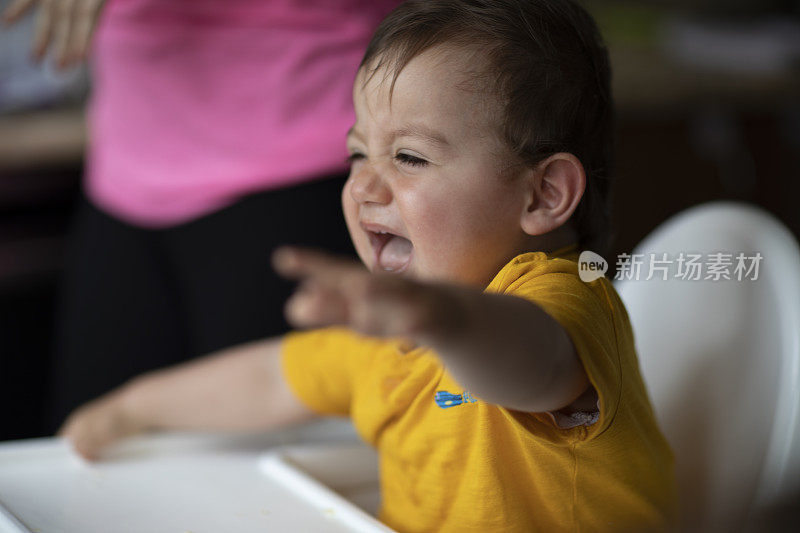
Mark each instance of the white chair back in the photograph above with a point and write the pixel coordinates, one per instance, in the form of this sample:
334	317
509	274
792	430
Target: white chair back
722	360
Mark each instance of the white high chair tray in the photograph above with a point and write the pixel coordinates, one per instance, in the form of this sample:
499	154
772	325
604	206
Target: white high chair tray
188	484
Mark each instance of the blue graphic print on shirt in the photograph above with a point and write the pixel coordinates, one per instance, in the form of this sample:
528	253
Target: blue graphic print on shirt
446	399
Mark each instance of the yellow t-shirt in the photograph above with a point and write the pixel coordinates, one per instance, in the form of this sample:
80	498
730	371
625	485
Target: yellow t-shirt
451	462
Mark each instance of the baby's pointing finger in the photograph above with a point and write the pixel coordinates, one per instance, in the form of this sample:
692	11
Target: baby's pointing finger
293	262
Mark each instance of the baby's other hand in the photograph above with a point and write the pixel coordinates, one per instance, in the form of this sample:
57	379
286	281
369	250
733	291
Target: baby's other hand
336	291
98	423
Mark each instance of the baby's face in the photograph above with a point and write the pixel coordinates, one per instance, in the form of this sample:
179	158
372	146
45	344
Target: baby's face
427	194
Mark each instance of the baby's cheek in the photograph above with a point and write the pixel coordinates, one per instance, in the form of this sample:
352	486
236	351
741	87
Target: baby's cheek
461	238
439	237
430	218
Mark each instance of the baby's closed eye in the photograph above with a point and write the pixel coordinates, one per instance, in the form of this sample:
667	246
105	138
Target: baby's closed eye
408	159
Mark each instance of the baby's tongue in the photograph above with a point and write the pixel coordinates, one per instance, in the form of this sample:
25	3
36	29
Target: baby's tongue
395	253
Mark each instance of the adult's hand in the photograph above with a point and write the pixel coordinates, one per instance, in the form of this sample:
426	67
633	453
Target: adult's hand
63	26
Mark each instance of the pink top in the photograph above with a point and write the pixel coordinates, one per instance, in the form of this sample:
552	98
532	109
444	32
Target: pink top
198	102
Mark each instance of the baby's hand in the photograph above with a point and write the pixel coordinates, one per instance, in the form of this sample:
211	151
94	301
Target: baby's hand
335	291
98	423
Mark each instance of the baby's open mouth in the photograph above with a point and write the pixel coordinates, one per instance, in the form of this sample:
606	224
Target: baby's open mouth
392	252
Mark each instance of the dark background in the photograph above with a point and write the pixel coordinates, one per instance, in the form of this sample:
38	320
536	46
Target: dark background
699	119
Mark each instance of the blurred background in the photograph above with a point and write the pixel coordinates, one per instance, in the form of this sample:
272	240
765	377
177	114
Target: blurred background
708	103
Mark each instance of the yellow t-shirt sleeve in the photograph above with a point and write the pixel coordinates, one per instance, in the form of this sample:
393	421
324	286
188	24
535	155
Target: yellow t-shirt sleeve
322	367
583	311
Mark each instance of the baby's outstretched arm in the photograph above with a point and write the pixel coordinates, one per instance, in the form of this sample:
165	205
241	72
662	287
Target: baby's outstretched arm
506	350
238	389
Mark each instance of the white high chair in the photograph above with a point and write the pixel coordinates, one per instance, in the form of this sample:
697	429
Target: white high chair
722	363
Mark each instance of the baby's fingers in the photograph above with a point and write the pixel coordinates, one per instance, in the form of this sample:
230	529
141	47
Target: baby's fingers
85	439
339	291
94	426
315	305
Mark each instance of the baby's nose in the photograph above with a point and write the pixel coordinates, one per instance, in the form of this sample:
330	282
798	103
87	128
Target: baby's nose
367	185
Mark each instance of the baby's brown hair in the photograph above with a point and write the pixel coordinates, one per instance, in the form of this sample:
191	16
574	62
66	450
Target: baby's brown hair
547	62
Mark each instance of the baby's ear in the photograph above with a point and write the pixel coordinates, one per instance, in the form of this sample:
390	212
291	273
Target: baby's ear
556	188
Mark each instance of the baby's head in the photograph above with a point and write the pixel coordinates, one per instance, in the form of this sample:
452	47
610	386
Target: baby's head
483	130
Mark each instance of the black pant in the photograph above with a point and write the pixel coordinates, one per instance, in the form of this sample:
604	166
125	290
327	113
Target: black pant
133	299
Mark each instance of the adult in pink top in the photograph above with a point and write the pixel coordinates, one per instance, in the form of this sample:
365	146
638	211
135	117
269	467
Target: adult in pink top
198	102
216	132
